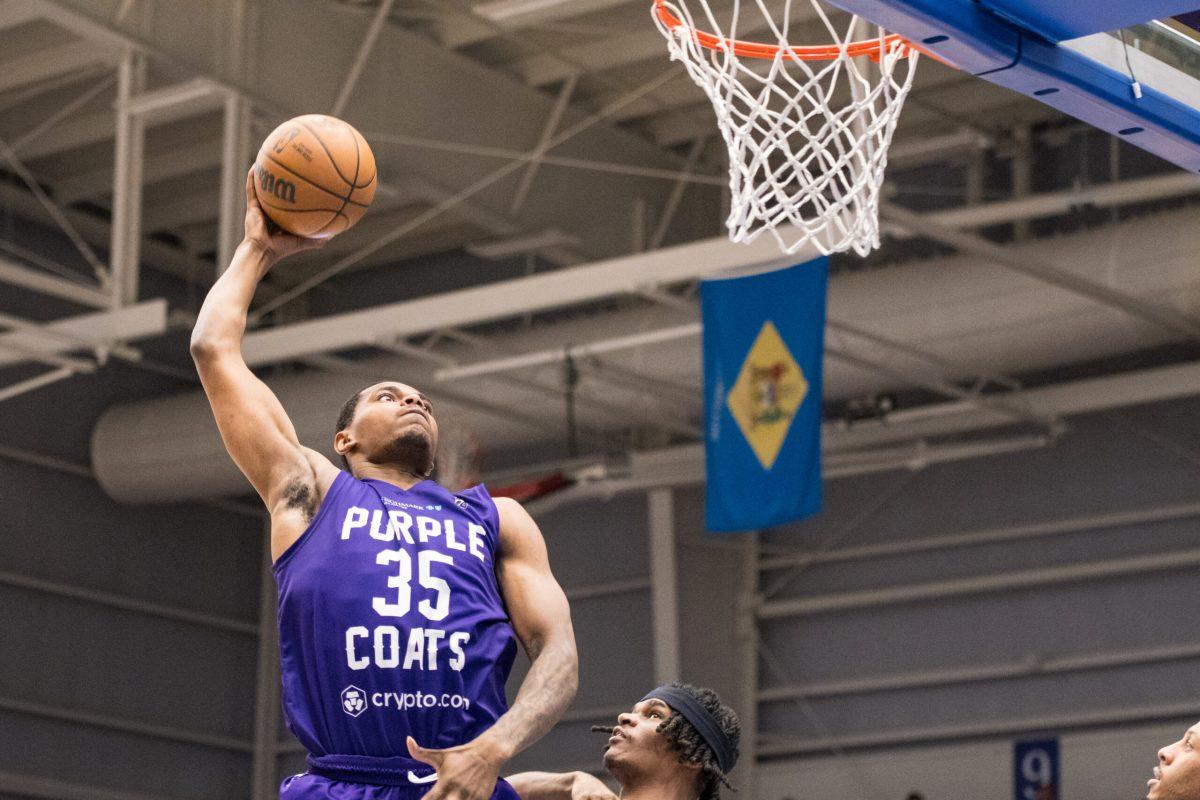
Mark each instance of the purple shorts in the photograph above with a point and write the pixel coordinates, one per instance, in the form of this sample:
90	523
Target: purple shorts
307	786
359	778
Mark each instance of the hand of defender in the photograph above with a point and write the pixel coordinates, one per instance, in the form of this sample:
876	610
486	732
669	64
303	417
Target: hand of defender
466	772
275	241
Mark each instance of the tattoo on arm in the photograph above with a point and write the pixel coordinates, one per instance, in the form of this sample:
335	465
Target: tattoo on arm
546	692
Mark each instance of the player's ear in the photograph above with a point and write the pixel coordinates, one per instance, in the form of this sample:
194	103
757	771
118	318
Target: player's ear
343	442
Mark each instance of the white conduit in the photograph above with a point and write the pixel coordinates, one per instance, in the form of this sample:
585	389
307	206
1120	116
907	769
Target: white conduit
1032	666
1059	722
983	584
985	536
76	716
111	600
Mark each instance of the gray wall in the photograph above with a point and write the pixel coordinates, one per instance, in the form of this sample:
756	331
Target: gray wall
1144	458
85	659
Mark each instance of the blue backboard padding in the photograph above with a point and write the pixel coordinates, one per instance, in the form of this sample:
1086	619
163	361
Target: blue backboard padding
1058	21
981	43
1092	92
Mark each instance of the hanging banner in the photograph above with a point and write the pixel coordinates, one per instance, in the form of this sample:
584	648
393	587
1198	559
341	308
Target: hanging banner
763	344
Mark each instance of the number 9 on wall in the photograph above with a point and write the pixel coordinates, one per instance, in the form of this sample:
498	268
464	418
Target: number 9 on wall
1035	770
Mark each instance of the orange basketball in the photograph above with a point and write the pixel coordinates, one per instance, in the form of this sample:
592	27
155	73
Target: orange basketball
315	176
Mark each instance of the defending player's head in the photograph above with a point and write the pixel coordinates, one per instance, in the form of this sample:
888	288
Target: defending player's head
679	734
387	423
1177	776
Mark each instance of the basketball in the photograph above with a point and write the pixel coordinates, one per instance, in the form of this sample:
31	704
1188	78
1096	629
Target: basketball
315	176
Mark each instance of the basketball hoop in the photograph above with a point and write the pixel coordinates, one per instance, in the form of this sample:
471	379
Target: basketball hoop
807	127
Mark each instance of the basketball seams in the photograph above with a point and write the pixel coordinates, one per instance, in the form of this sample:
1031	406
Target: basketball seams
309	181
349	208
359	144
329	155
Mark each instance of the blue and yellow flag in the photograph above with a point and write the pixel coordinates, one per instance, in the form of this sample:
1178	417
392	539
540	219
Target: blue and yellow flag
764	337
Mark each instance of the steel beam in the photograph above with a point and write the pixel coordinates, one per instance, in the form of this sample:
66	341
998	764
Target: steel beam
264	785
360	58
1035	665
982	584
513	298
747	641
158	167
15	274
51	62
168	733
664	588
626	49
36	786
876	739
37	382
1177	322
309	22
130	604
235	154
1033	530
179	101
89	331
125	256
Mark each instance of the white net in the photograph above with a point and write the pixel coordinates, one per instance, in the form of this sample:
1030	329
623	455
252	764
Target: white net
807	140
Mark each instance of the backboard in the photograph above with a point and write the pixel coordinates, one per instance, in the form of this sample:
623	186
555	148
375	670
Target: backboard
1129	67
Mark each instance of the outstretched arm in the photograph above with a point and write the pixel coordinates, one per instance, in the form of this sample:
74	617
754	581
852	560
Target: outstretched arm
560	786
254	427
541	617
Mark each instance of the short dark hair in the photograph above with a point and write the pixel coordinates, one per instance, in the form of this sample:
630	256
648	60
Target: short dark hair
683	737
346	416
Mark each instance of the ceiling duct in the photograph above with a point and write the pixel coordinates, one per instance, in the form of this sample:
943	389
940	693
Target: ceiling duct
960	309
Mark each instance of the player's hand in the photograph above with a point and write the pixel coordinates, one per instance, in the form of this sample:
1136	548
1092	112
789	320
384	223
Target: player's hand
588	787
466	772
275	242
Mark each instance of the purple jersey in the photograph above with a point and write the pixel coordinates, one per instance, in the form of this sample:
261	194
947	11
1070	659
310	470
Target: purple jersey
391	621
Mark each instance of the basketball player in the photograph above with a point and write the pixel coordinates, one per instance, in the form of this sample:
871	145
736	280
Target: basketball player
398	601
1177	776
677	743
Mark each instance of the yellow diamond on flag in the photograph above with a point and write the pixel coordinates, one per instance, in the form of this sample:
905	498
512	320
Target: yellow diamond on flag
768	391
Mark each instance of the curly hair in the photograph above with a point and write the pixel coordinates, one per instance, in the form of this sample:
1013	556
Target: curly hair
684	739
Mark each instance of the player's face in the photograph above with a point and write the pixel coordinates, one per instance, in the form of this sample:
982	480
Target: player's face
1177	776
636	746
391	412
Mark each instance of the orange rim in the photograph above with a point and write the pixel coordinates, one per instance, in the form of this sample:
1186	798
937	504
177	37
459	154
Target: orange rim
872	48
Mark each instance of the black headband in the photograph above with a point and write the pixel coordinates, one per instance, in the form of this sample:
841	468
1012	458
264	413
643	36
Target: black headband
702	720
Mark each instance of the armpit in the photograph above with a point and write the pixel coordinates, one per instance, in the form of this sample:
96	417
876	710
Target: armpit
299	494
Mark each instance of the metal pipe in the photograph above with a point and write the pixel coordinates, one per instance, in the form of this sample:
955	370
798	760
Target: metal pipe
360	58
37	786
1163	316
169	733
235	138
121	603
127	181
593	590
664	588
986	536
546	357
982	584
561	103
1033	206
747	638
877	738
1030	667
45	379
266	686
